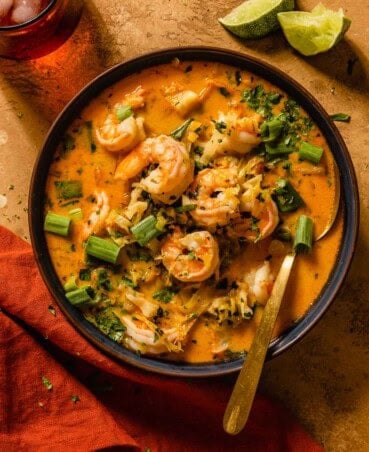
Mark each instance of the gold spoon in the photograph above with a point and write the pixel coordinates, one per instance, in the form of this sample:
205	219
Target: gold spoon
240	403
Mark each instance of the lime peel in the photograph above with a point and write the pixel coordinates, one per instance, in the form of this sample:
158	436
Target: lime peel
314	32
255	18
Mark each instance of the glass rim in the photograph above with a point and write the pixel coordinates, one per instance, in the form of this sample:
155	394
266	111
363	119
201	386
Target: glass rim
25	24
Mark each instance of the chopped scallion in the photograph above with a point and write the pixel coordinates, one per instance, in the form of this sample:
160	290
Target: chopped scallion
304	235
271	130
70	284
165	295
178	133
278	149
286	197
103	249
341	117
145	230
185	208
80	296
310	152
57	224
76	214
123	112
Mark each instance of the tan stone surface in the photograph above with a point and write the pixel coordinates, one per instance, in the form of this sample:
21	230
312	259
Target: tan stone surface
324	379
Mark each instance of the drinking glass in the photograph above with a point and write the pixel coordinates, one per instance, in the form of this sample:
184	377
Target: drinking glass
43	33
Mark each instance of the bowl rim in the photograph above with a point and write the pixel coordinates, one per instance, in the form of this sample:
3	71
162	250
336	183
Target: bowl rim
349	204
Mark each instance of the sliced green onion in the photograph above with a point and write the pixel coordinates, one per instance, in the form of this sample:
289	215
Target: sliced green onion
103	249
145	230
278	149
341	117
90	136
304	235
70	284
178	133
57	224
310	152
271	130
185	208
68	189
80	296
123	112
76	214
286	197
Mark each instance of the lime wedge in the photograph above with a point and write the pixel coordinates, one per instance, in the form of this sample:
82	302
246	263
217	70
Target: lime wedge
255	18
314	32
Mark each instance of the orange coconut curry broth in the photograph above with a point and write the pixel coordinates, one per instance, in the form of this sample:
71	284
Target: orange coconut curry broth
172	200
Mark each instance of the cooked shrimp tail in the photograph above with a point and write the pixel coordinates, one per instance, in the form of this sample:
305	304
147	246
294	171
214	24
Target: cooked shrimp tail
192	257
173	172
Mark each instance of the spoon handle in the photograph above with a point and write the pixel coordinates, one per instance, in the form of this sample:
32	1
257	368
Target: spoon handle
240	402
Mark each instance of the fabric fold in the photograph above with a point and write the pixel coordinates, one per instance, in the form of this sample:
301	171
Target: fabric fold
96	402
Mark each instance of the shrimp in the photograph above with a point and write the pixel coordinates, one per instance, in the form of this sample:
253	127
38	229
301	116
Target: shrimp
96	221
136	98
233	134
215	194
259	214
232	308
260	281
120	136
183	101
172	175
192	257
255	287
171	331
141	335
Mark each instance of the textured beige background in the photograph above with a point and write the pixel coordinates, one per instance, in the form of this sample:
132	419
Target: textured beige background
324	379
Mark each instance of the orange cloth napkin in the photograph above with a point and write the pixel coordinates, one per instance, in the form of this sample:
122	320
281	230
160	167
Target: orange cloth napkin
57	392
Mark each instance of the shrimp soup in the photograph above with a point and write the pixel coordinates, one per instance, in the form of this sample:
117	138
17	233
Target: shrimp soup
172	200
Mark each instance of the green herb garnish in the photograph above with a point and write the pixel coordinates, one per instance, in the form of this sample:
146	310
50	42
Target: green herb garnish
110	325
68	189
47	383
178	133
165	295
286	197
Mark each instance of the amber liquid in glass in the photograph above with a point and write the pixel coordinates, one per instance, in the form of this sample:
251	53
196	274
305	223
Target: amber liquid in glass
42	34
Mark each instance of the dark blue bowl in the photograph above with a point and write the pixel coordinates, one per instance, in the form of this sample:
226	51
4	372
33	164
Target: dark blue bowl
349	198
